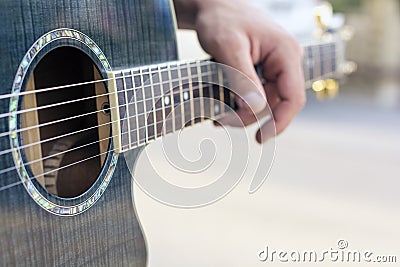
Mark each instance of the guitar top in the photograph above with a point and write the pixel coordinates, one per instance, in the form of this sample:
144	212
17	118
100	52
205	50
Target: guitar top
80	83
40	180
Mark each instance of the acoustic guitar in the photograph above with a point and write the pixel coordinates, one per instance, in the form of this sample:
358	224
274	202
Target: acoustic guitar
81	82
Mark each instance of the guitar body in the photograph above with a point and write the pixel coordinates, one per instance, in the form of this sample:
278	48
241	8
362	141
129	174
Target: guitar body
129	33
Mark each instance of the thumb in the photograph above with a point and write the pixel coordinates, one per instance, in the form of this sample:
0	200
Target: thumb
243	80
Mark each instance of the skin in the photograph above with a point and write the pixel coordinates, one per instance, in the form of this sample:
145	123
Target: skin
240	35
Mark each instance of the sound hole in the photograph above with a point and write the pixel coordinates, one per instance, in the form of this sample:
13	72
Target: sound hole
65	130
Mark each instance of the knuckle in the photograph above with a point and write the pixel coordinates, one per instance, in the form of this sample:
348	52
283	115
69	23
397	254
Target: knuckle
293	44
228	40
300	101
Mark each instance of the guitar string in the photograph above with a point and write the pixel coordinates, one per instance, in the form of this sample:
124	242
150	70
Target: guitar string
141	142
3	115
145	112
95	127
133	131
81	99
170	94
91	113
107	94
138	143
176	66
173	65
147	126
101	125
98	126
144	141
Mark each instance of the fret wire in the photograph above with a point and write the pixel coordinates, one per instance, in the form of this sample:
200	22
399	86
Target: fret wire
162	99
200	82
127	110
209	73
172	99
315	66
211	92
328	63
190	93
153	101
136	111
321	63
151	138
206	63
221	89
306	64
181	98
144	113
144	103
318	66
188	90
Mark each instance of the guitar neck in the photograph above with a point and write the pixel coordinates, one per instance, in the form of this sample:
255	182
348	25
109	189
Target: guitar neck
152	101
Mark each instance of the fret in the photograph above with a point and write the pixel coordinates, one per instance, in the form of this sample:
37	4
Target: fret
181	102
201	97
192	115
311	64
185	92
160	99
216	101
317	60
324	62
148	103
206	84
167	101
119	81
142	81
211	88
221	89
162	102
321	60
227	100
153	104
334	58
127	114
140	105
171	97
135	119
195	93
130	111
306	64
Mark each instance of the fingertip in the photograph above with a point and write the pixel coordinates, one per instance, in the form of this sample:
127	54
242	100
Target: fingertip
266	132
258	137
217	124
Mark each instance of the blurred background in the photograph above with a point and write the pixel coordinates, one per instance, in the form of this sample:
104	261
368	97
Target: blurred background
337	168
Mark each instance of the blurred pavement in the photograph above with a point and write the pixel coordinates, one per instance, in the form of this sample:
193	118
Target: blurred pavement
335	176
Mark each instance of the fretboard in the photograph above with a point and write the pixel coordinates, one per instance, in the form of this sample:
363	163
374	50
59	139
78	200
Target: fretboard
152	101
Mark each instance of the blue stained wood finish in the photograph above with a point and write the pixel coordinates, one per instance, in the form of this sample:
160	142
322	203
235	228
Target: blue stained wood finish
130	33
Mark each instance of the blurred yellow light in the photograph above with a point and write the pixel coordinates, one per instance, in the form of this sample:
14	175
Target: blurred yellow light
318	86
331	85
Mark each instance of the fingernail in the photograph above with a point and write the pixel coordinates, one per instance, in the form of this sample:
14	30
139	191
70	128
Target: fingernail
253	100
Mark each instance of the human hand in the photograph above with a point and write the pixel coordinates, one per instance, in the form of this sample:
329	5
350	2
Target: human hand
238	34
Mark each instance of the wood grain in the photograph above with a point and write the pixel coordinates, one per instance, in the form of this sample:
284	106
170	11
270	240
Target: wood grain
130	33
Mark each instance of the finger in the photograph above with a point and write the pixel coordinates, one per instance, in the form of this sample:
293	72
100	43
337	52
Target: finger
242	76
287	78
